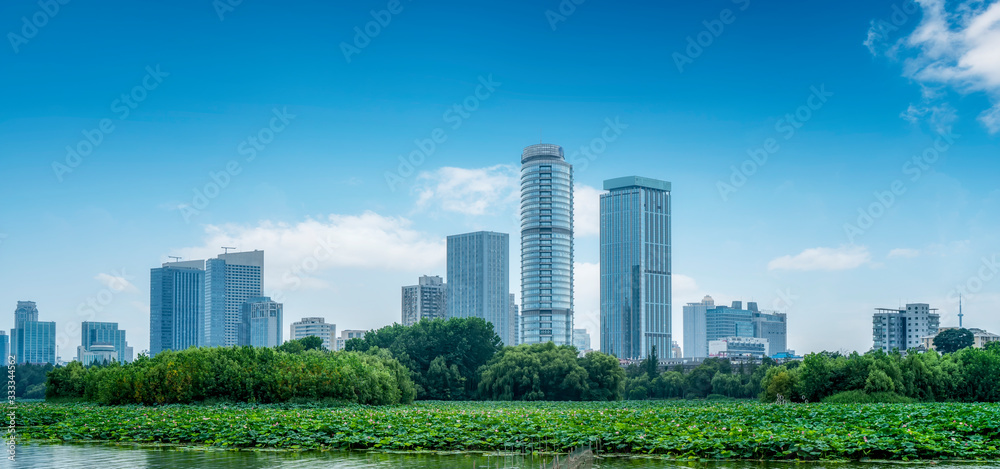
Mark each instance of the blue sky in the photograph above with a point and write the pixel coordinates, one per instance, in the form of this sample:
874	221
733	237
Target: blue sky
203	83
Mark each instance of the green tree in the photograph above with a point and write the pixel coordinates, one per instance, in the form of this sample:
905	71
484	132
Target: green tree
879	381
814	377
651	364
549	372
778	381
605	377
301	345
953	340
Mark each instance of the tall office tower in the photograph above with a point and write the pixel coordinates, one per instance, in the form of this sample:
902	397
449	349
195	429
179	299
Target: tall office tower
4	347
515	323
902	329
695	328
428	299
31	340
479	279
260	323
315	327
230	280
581	340
635	267
103	337
546	246
176	306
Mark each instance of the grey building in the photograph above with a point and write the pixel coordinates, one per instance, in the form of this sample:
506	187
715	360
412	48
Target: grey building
479	279
546	246
4	347
96	338
176	306
230	280
515	320
903	329
695	328
260	322
581	340
31	340
315	327
635	267
428	299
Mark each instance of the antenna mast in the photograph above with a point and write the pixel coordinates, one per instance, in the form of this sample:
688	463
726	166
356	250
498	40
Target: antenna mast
226	249
175	258
960	311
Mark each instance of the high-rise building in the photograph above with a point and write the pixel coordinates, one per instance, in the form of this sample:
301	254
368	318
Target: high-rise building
428	299
581	340
4	347
260	322
176	306
903	329
479	279
705	322
635	267
31	340
675	350
546	246
315	327
230	280
97	338
515	323
695	328
348	334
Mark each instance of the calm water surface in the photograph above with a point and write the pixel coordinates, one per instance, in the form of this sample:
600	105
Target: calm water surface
90	456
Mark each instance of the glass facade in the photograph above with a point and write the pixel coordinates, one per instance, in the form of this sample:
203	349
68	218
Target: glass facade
230	280
479	279
101	335
546	246
176	307
260	323
635	268
32	341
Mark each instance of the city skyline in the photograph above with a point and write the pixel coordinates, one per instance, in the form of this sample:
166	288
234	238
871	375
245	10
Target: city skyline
828	178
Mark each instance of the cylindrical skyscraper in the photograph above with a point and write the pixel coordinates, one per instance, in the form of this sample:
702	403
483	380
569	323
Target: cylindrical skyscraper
546	246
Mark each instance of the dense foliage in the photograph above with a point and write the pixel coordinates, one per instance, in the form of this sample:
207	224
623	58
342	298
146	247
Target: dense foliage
953	340
29	380
301	345
443	355
238	374
683	429
546	372
969	375
714	377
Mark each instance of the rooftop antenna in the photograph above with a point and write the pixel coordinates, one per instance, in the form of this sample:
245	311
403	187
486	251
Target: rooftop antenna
175	258
960	311
226	249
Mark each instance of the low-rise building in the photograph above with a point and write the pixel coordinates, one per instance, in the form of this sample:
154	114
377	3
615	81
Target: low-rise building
739	347
348	334
315	327
981	338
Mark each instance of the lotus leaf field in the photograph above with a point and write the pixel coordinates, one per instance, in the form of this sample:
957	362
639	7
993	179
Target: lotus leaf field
709	430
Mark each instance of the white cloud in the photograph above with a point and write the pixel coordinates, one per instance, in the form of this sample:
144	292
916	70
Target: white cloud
956	44
903	253
297	254
842	258
587	299
481	191
586	211
116	282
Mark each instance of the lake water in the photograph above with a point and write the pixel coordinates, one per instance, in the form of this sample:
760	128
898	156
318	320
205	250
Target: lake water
90	456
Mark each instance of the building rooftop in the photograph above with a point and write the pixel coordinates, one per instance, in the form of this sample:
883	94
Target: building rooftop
636	181
542	150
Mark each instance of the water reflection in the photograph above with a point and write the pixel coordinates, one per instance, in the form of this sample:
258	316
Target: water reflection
91	456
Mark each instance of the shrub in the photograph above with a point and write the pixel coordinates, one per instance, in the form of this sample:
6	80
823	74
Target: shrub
860	397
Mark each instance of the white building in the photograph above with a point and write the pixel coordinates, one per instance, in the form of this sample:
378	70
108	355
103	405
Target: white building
696	328
980	337
428	299
348	334
739	347
903	329
315	327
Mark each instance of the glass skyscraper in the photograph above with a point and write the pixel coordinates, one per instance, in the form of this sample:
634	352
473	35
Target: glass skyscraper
176	306
546	246
31	340
479	279
230	280
260	324
94	335
635	267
